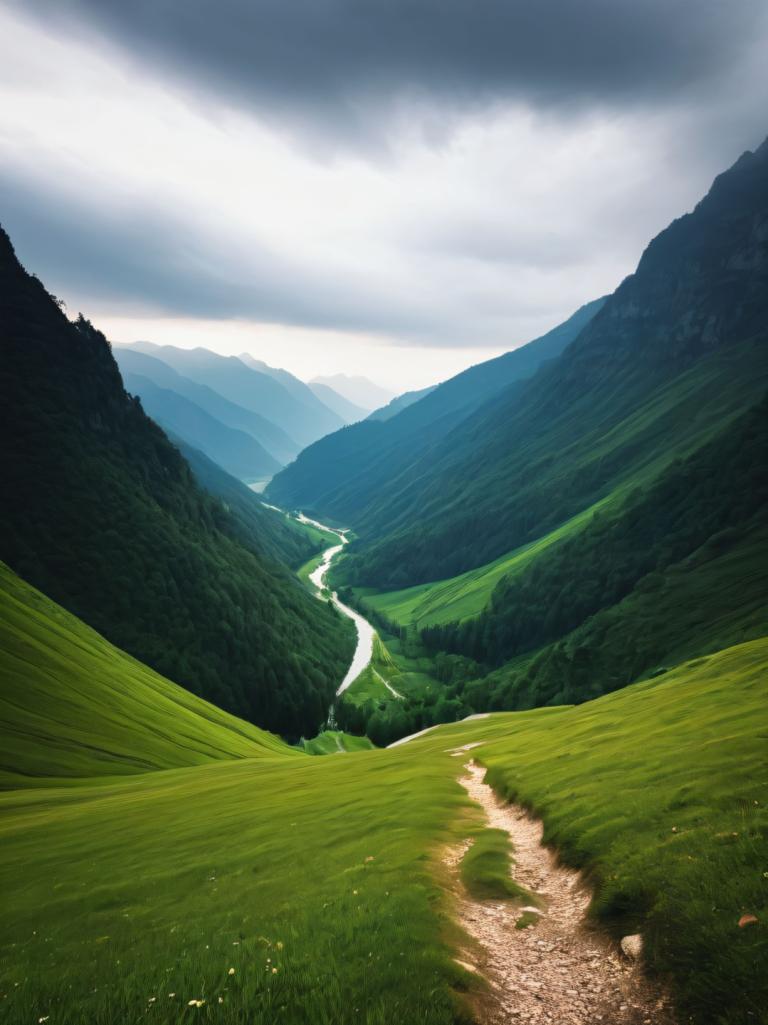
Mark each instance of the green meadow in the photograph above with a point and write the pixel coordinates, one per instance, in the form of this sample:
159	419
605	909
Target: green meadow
72	705
466	595
238	880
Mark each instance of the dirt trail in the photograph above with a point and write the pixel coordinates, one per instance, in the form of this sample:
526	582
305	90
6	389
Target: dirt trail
556	970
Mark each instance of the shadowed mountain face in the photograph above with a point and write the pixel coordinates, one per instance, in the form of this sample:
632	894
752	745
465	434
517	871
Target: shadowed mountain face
272	438
235	451
101	512
674	352
304	418
344	473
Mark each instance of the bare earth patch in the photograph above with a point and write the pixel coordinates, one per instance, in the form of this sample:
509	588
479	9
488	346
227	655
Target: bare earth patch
554	969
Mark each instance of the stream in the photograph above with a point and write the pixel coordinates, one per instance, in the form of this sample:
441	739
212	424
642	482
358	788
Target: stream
365	632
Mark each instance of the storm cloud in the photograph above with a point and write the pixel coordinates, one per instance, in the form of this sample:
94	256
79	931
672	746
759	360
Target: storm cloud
346	177
343	67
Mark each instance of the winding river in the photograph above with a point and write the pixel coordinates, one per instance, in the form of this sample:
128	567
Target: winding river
364	647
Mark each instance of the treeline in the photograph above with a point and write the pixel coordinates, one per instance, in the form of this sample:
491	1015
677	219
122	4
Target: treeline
102	513
715	494
681	570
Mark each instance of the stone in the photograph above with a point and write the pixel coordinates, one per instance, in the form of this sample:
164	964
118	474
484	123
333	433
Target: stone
632	947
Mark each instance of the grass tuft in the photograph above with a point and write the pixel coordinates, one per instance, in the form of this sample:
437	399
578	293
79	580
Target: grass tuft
485	869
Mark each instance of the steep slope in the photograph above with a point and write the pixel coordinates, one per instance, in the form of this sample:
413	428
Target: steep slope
235	451
265	530
679	570
276	442
342	475
261	393
399	403
74	706
102	513
676	351
348	411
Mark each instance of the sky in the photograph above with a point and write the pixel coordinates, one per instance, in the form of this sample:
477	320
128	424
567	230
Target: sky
395	188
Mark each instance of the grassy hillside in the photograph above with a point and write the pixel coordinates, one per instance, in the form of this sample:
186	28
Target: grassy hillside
714	497
466	595
661	793
319	881
72	705
102	513
312	878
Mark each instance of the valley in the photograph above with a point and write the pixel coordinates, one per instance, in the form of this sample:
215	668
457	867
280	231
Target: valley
325	704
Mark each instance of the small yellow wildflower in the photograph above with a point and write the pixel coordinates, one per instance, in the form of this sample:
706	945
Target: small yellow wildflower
279	944
231	971
221	1000
195	1003
274	971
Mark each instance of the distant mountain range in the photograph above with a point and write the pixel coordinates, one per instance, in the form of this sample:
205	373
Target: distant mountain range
348	411
357	390
248	417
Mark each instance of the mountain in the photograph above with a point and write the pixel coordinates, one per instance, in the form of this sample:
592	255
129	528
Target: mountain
348	411
302	392
266	530
102	514
259	392
347	471
358	390
235	451
272	438
401	402
674	354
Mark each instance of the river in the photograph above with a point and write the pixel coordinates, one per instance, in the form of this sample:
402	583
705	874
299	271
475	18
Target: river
365	632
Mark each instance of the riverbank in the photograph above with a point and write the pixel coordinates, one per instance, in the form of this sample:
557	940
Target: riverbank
317	577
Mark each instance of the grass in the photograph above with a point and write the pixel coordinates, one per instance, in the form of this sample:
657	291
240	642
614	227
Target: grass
333	742
485	868
660	792
324	538
73	705
307	569
389	665
318	867
319	881
464	596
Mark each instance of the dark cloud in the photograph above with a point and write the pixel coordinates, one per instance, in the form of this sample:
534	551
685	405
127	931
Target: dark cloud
137	259
345	66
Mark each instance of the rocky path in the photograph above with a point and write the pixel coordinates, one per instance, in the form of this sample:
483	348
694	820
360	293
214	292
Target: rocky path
556	970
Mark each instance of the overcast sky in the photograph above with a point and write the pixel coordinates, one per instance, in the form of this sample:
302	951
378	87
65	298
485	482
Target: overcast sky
391	187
